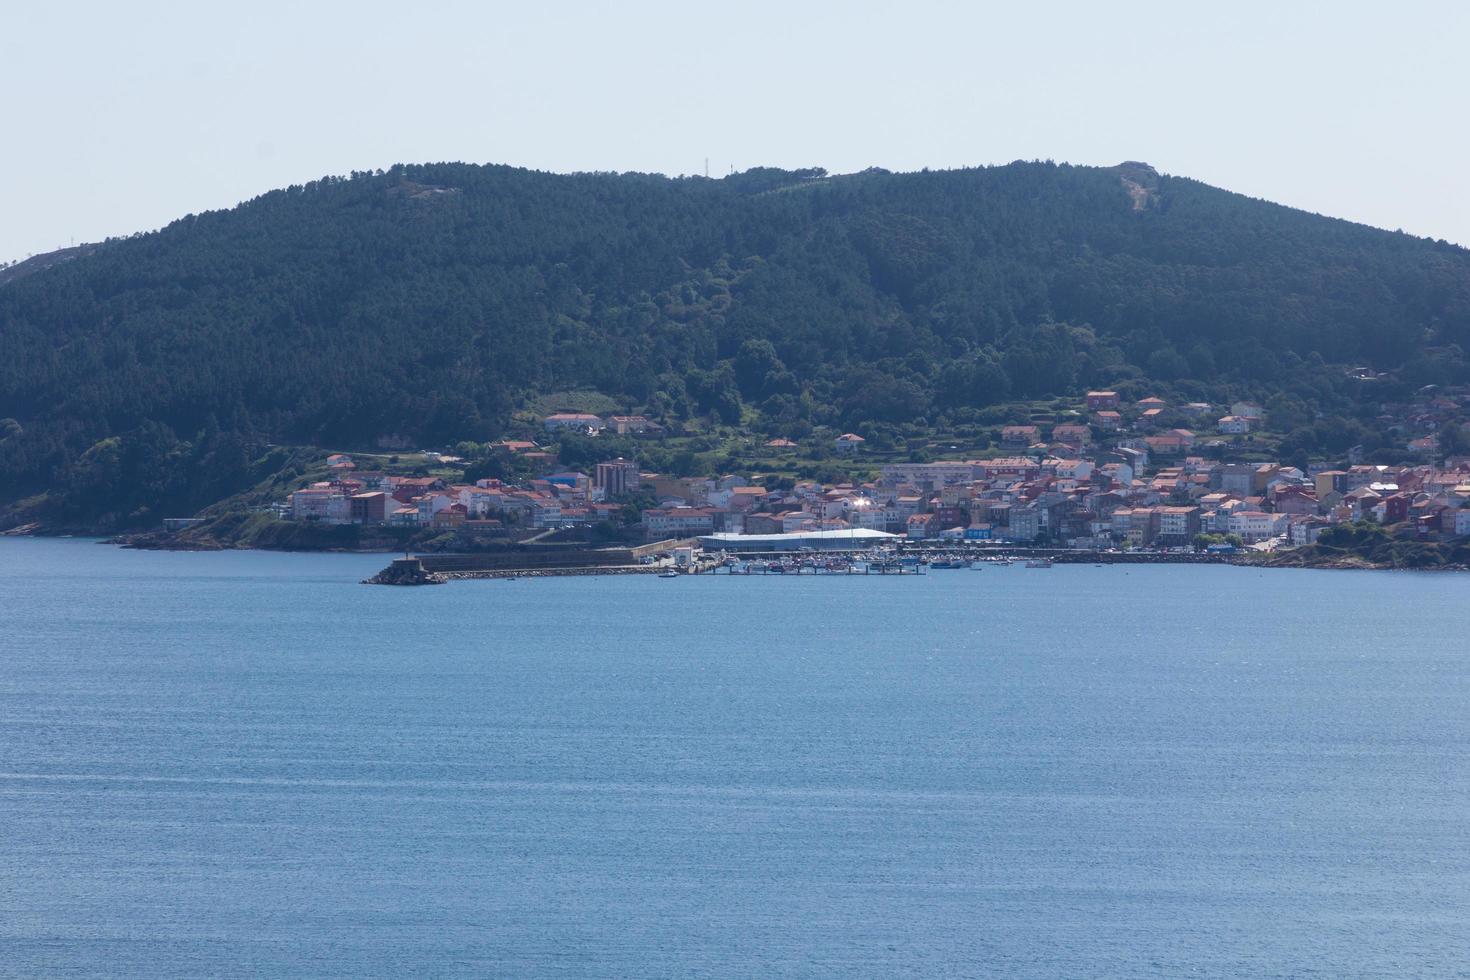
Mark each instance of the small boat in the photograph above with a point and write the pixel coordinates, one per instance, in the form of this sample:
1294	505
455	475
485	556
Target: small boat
1039	563
949	563
668	573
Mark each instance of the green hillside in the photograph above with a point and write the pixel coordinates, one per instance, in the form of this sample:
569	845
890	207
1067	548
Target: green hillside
428	304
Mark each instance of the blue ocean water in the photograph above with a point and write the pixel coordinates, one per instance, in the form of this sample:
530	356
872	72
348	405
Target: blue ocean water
248	764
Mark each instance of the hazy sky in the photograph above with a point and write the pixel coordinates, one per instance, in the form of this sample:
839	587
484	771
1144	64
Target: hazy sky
119	117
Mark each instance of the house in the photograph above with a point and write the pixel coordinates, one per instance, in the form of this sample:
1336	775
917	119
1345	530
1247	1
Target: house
1108	421
1305	530
796	520
1071	469
1101	399
1391	509
1235	425
780	444
922	526
848	443
406	488
574	421
546	510
1133	457
430	504
450	517
1248	410
1152	402
1020	435
1293	499
1072	435
370	508
1167	445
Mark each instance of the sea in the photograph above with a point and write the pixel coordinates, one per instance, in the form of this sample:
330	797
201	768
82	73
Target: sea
249	764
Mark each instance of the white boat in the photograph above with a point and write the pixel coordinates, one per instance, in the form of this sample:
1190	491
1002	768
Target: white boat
668	573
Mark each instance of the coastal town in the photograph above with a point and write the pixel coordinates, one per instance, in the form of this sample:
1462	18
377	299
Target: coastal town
1145	475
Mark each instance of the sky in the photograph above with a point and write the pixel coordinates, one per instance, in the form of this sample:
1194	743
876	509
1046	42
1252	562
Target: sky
120	117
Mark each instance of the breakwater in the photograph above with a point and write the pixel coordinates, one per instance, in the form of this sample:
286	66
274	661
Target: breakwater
522	562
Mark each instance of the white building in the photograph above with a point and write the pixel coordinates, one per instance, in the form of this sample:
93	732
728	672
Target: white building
856	539
578	421
929	474
1255	525
321	504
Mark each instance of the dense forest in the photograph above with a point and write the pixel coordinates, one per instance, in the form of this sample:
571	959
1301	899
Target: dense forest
430	303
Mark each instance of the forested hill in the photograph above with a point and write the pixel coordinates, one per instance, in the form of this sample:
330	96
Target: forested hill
431	302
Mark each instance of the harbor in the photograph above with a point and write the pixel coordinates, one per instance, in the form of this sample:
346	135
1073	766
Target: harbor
675	559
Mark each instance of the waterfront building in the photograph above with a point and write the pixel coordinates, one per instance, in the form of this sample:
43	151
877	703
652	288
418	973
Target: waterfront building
320	503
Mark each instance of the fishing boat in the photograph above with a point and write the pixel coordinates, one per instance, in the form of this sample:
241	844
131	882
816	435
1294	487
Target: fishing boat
668	573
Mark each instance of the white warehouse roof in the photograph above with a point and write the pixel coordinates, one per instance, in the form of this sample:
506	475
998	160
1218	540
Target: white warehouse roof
857	537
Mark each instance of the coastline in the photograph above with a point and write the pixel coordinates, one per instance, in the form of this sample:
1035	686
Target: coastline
1307	557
